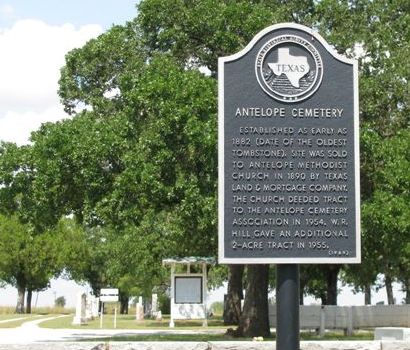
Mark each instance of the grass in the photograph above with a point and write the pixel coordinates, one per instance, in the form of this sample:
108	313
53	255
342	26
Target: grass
222	337
11	310
15	322
170	338
129	322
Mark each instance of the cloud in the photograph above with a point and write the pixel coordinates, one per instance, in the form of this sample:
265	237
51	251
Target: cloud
6	11
17	126
32	55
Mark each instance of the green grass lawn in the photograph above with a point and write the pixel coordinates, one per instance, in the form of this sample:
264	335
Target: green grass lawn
129	322
13	320
222	337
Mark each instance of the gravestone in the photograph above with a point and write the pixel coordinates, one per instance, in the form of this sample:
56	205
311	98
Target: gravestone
92	307
139	310
80	309
154	305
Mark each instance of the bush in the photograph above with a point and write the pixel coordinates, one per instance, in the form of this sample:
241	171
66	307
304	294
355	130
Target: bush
217	308
164	304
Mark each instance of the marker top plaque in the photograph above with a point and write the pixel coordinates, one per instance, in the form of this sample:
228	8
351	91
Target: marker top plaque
288	151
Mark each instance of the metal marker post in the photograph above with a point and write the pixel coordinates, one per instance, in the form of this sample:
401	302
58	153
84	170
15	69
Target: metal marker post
287	307
115	317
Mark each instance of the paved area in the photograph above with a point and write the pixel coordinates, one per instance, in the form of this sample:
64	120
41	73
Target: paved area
30	332
14	319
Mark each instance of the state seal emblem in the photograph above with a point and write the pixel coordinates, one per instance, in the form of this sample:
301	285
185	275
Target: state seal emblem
289	68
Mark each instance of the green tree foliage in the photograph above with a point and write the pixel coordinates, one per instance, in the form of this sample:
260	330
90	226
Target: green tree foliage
28	261
60	302
386	215
136	164
198	32
143	171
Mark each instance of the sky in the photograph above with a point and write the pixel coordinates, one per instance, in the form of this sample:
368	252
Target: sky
34	38
35	35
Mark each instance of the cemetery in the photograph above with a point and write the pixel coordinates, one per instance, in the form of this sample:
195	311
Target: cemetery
258	148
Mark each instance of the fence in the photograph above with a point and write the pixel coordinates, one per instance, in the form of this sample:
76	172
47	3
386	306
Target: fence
349	317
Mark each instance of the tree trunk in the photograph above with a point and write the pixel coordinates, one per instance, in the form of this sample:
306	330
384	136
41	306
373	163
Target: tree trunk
28	301
232	306
331	284
389	289
407	290
21	291
254	321
368	295
124	301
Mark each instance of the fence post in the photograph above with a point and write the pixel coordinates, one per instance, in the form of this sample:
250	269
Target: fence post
349	330
322	326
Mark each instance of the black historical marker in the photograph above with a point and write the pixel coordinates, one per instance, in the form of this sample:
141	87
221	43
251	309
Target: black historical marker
288	151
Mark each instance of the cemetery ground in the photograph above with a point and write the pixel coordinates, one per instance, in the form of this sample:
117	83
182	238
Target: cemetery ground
59	325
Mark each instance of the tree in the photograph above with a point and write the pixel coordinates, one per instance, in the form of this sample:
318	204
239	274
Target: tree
233	302
60	302
164	167
386	214
254	320
207	30
27	261
23	268
378	37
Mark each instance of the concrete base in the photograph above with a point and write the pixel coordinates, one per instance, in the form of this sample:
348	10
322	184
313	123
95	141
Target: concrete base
77	321
392	333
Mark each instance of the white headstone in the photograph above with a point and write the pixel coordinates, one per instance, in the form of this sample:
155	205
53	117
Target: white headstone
158	316
88	307
140	310
92	307
95	306
80	309
154	305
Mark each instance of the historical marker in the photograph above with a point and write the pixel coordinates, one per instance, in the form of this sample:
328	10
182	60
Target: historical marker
288	151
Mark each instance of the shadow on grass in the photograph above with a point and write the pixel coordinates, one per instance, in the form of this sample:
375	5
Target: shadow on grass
367	335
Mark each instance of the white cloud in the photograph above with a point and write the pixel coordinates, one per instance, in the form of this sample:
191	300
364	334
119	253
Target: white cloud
6	11
17	126
32	53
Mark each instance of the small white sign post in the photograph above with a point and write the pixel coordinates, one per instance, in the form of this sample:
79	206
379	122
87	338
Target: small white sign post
108	295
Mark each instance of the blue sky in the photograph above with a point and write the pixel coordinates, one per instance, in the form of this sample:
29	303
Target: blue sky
76	12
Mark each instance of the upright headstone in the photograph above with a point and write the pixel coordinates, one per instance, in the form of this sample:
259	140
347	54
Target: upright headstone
139	310
95	306
154	305
158	316
88	308
92	307
80	309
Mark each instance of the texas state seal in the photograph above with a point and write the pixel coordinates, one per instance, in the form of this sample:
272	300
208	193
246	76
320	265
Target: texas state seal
289	68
